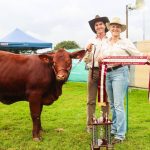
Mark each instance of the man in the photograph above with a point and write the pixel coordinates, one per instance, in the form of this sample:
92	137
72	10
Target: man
94	49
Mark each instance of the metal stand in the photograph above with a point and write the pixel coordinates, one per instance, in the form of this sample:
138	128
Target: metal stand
101	135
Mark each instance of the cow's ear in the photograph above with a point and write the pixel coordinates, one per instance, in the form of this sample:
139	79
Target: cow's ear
46	58
78	54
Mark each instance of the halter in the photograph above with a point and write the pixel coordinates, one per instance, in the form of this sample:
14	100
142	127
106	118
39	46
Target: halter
68	70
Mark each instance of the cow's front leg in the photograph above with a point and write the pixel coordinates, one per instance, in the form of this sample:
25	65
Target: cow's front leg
35	110
41	129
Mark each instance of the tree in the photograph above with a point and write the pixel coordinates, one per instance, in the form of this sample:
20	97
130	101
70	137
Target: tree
67	45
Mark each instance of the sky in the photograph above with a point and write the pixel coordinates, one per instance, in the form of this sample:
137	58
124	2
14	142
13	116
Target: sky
58	20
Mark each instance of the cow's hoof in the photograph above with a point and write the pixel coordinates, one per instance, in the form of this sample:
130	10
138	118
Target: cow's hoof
37	139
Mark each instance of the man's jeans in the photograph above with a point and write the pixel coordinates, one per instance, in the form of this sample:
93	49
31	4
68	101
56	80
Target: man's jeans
116	87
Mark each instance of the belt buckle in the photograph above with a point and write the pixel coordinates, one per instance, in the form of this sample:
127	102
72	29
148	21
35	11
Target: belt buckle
111	69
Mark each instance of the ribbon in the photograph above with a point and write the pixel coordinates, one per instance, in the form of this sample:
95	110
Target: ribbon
102	86
126	60
117	60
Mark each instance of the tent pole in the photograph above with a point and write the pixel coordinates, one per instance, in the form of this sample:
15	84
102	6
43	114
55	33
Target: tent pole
127	110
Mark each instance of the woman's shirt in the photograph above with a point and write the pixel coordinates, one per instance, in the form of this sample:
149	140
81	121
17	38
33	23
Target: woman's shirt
123	47
98	46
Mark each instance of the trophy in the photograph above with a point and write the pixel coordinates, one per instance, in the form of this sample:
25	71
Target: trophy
101	133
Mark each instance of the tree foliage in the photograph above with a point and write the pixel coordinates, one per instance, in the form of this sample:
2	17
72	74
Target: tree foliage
67	45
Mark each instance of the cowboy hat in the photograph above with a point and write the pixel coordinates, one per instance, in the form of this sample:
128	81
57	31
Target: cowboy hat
96	19
116	20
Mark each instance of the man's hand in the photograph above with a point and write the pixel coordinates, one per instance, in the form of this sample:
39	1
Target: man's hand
89	47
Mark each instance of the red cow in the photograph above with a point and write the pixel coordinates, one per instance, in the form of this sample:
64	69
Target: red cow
37	79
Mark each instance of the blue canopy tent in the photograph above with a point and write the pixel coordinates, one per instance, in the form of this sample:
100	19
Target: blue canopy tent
18	40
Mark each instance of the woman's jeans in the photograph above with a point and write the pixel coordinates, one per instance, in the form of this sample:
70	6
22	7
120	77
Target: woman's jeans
116	87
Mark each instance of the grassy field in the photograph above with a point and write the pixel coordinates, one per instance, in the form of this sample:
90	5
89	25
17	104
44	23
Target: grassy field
69	113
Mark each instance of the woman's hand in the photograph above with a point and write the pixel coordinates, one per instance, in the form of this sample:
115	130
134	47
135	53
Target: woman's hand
148	56
100	58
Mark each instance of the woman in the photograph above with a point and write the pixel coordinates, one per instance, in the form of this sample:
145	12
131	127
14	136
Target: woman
98	26
117	77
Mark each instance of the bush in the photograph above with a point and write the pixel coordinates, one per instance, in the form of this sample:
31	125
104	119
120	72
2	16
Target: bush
67	45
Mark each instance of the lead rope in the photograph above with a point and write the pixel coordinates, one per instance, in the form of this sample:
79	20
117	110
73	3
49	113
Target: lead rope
76	64
79	61
93	49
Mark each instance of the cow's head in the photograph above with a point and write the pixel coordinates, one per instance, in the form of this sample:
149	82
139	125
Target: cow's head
61	61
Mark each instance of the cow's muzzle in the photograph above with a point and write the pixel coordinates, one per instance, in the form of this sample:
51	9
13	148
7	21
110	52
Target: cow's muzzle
62	74
61	77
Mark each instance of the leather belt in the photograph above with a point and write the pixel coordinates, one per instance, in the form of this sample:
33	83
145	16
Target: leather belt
96	67
114	68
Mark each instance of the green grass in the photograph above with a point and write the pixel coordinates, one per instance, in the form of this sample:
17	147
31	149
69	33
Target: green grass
69	113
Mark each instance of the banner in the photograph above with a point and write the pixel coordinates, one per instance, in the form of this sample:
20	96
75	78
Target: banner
117	60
